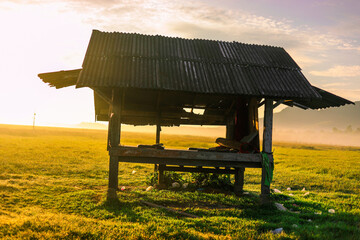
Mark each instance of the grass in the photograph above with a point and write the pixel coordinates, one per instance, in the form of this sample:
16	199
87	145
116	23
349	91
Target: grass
53	186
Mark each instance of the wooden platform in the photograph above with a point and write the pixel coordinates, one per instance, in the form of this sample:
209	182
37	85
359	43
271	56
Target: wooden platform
185	157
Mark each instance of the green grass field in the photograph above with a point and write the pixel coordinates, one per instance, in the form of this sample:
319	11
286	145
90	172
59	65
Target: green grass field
53	186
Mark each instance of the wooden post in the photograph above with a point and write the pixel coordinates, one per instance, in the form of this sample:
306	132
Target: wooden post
158	130
254	121
239	181
161	177
114	141
267	148
230	127
239	172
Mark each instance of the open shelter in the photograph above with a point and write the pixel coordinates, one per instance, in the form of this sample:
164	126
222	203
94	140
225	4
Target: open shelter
152	80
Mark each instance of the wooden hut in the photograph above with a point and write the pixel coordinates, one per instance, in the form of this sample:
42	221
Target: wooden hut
151	80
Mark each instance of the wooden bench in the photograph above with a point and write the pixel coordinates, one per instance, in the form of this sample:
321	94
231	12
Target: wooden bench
190	161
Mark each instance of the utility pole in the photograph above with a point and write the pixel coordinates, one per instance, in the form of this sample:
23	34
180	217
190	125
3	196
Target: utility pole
34	121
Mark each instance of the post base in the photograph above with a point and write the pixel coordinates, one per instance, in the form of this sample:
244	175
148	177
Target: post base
265	199
238	190
111	194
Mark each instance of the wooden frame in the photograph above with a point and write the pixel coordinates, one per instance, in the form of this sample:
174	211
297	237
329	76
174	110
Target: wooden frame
191	161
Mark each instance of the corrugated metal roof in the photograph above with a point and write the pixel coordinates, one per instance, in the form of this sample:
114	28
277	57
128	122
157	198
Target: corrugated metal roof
129	60
61	79
328	100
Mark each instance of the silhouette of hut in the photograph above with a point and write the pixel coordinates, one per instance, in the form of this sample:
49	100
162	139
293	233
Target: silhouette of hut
151	80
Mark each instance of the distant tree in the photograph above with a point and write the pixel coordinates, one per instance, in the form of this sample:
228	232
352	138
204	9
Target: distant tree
335	130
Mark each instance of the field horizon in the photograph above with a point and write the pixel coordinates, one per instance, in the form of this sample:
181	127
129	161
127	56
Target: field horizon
307	136
53	184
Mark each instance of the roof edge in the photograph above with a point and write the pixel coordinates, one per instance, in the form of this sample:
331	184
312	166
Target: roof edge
60	79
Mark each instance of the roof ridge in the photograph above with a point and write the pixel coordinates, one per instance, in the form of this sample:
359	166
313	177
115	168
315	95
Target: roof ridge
183	38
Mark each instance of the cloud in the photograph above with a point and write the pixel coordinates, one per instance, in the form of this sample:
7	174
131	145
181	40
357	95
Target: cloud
339	71
198	19
335	84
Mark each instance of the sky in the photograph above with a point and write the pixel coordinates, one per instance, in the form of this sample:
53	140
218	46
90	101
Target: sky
38	36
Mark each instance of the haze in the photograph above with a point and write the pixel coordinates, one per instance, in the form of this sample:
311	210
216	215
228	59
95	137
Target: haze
38	36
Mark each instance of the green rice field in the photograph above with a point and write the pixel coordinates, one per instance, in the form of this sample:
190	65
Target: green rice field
53	184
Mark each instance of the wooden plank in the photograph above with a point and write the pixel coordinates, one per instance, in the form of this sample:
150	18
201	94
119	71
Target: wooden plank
202	170
125	151
192	162
170	121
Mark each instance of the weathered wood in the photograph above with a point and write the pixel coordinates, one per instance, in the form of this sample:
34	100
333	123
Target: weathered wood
268	125
126	151
202	170
241	119
254	123
186	158
113	172
278	103
168	120
158	130
236	144
230	126
261	103
267	148
239	181
114	138
169	209
161	177
115	120
102	95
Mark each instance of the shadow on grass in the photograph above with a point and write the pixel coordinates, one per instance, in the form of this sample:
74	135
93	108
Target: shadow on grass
302	220
305	219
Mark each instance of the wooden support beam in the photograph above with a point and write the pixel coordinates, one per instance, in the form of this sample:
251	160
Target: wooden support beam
267	148
231	108
102	95
239	181
186	158
161	176
158	124
261	103
254	122
300	106
115	121
158	130
278	103
113	172
114	140
230	127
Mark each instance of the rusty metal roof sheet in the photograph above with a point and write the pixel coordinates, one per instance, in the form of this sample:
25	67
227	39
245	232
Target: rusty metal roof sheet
129	60
327	100
61	79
